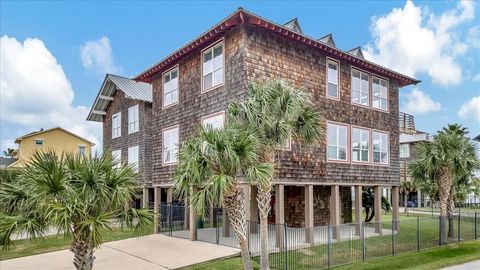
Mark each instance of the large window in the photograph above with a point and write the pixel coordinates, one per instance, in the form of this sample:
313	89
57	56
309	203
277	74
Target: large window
38	142
337	142
332	79
133	157
214	121
170	87
117	157
133	119
380	147
404	150
170	145
212	67
360	145
379	93
82	150
116	125
360	91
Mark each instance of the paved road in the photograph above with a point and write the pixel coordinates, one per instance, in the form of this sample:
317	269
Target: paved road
153	252
475	265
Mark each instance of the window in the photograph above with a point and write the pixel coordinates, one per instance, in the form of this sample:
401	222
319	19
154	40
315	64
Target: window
170	87
212	66
170	145
133	157
379	93
133	119
380	147
39	142
215	121
360	145
404	150
82	150
332	79
360	92
337	142
117	157
116	125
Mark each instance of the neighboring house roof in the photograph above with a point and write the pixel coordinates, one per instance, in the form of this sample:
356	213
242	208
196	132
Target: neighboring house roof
242	16
132	89
19	139
477	138
328	39
415	137
5	162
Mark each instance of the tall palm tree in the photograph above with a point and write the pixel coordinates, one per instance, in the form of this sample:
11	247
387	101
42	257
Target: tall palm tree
209	169
277	113
448	156
80	197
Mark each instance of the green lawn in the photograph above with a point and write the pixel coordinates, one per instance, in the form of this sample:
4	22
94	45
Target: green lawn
26	247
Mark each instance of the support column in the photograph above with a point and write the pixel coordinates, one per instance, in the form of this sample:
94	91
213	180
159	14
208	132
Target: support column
279	214
157	198
169	195
395	208
358	210
309	214
419	198
253	210
335	211
186	220
378	209
193	222
145	198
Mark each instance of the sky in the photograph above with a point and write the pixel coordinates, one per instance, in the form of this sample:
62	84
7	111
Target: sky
54	55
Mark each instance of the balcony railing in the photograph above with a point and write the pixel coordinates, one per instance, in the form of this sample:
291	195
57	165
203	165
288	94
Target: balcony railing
406	123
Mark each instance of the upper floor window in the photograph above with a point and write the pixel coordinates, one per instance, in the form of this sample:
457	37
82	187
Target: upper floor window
117	125
212	70
170	145
380	147
170	87
133	119
332	79
82	150
336	142
404	150
133	157
360	145
360	91
379	93
117	157
38	142
215	121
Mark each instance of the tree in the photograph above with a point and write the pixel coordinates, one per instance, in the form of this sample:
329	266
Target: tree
407	187
81	197
449	156
368	202
276	113
209	167
9	152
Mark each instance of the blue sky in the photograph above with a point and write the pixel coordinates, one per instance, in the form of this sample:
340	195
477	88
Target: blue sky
57	52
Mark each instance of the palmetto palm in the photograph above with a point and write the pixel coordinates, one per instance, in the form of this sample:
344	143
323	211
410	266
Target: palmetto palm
80	197
209	169
407	187
448	156
276	112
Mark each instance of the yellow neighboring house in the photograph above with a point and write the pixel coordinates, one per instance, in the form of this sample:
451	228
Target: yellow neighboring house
56	139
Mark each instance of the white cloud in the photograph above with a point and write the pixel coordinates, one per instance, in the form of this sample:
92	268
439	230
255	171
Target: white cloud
35	92
413	41
419	102
97	55
476	78
471	108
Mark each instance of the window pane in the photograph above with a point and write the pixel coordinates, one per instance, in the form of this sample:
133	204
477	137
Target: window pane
207	81
332	73
376	156
217	50
355	80
342	136
218	61
356	155
207	56
332	90
365	155
356	97
218	76
364	98
332	152
332	134
342	153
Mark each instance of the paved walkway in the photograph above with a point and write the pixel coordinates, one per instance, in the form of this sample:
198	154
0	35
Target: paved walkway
465	266
153	252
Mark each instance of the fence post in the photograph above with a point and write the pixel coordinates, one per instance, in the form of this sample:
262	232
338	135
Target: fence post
393	238
329	251
285	248
440	224
363	241
217	230
418	234
459	225
475	226
169	218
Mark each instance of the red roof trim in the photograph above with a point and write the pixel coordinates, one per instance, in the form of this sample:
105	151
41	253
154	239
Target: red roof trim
240	17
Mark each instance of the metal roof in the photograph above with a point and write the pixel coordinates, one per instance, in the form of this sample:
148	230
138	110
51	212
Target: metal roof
416	137
294	25
133	90
357	52
328	39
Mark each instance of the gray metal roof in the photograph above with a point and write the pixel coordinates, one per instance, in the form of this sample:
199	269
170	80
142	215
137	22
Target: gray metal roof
294	25
357	52
416	137
133	90
328	39
5	162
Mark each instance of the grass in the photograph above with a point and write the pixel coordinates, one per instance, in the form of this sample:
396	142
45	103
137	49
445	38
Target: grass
27	247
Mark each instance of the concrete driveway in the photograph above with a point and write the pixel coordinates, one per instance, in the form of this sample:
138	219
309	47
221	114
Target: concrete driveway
153	252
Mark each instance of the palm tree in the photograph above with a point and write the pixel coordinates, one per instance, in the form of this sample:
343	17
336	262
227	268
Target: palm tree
210	166
368	202
277	113
407	187
80	197
9	152
448	156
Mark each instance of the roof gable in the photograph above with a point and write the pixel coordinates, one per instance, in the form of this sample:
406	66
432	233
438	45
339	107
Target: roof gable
328	39
42	131
294	25
357	52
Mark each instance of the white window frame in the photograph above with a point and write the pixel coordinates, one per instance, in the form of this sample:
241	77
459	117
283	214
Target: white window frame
337	126
387	145
174	148
206	119
405	153
84	147
164	86
380	80
369	146
117	130
117	156
361	90
206	51
132	156
331	61
133	119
